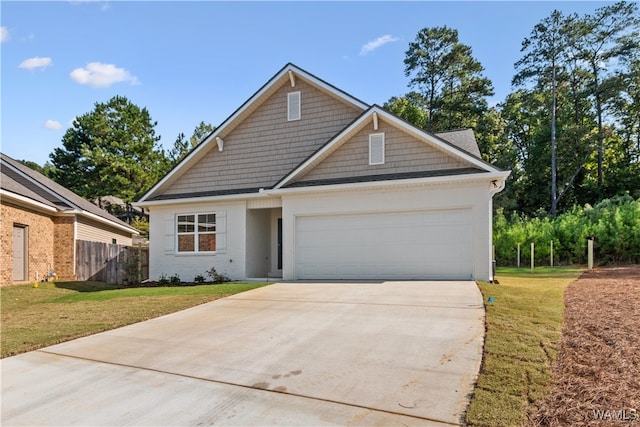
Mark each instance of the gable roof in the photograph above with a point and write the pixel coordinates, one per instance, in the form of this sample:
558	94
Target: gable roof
195	177
463	139
29	186
373	114
289	72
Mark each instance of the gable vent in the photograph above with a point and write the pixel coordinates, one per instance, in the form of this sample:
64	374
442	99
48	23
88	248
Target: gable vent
376	149
293	105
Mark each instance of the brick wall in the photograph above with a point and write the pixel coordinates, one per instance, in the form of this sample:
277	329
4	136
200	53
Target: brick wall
40	229
64	247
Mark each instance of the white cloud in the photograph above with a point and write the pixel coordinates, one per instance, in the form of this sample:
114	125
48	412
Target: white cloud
4	34
52	124
374	44
36	62
97	74
104	4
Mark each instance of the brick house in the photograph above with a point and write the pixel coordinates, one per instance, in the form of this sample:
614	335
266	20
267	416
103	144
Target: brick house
40	223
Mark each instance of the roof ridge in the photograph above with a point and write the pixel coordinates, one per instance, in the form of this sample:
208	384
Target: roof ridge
36	177
453	130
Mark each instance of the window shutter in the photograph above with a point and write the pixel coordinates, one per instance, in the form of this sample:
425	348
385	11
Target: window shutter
376	149
169	235
293	105
221	232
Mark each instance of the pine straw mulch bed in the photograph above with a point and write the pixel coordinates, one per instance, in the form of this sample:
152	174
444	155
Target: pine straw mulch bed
597	373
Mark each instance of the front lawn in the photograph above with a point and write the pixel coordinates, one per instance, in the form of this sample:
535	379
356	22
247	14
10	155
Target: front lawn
55	312
523	331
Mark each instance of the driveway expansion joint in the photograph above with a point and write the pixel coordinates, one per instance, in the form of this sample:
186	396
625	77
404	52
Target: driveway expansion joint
141	368
467	307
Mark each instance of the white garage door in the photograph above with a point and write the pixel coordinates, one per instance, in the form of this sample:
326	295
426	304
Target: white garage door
407	245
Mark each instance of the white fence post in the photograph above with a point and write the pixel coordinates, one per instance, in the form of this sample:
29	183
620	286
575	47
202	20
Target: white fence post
590	253
552	253
532	256
518	255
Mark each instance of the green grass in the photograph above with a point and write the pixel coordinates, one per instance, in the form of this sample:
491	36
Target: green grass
524	326
55	312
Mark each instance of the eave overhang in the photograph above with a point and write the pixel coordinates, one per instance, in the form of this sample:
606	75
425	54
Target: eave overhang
201	199
495	180
49	210
25	201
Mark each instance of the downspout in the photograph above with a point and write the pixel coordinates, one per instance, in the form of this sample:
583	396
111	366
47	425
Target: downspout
494	188
75	247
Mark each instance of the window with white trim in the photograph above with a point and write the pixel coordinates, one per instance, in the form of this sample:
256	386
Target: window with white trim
196	232
293	106
376	149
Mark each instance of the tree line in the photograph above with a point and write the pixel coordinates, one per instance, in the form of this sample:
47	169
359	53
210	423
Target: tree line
569	131
114	151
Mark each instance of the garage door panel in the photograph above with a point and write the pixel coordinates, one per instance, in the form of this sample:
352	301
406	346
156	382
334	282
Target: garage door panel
428	244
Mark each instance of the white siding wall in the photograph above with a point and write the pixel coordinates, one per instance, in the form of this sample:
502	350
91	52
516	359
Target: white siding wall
94	231
415	198
163	258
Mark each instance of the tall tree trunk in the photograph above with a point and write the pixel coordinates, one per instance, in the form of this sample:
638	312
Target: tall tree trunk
432	109
600	134
554	175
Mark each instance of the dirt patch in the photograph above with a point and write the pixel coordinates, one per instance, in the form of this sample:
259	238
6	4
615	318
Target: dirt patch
597	373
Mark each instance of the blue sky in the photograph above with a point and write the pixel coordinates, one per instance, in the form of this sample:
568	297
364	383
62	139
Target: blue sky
188	62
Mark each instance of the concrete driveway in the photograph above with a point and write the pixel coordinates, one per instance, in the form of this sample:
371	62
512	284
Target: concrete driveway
392	353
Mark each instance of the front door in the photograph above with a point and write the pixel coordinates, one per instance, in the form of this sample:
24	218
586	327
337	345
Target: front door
19	253
279	243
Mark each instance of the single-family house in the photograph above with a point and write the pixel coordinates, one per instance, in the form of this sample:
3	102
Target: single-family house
41	221
306	182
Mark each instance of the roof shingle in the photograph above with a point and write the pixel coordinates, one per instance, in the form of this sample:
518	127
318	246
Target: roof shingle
24	181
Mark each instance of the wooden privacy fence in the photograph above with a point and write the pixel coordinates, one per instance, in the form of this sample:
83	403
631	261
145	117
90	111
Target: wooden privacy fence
104	262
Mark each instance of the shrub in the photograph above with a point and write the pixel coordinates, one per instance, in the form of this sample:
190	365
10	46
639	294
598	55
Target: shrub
175	279
199	279
132	266
615	224
217	277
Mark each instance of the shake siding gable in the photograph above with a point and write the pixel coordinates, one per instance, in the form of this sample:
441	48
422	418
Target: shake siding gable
266	145
403	153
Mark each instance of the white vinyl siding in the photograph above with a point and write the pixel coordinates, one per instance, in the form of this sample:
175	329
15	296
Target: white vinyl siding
93	231
376	149
293	105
